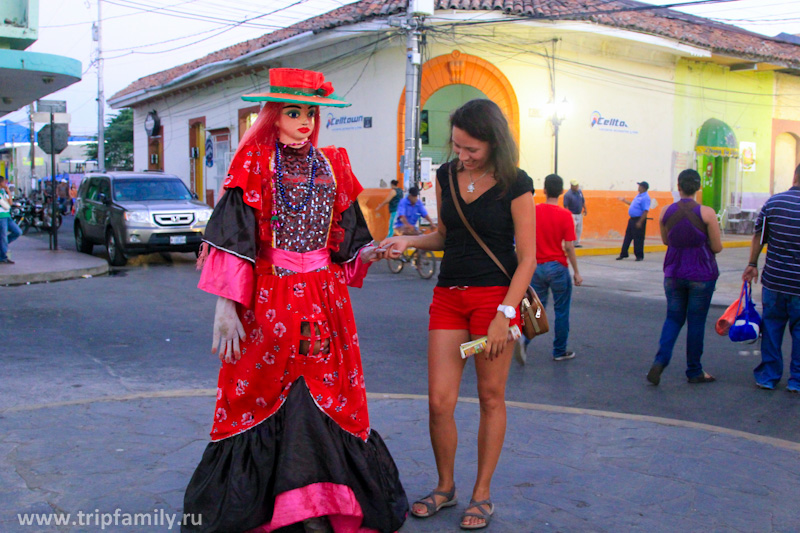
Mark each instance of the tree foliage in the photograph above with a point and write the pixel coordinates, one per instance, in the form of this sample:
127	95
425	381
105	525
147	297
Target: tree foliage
118	142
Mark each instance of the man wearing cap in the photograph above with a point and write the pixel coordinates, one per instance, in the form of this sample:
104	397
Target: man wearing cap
637	223
576	204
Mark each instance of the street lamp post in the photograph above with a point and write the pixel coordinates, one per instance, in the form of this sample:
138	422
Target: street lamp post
558	112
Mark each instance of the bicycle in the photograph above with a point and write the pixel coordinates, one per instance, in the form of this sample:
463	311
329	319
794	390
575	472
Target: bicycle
423	260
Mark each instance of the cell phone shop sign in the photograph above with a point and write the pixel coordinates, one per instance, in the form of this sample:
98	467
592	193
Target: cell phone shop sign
347	122
602	122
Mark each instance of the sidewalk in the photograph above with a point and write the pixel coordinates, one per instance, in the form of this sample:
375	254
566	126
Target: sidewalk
562	469
34	262
651	244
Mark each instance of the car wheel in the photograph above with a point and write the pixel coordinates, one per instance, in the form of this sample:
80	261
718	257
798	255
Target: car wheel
116	256
81	243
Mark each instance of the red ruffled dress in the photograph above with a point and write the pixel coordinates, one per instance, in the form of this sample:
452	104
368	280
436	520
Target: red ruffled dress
291	438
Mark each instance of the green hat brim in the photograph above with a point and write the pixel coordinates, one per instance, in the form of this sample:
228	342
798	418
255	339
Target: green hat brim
329	101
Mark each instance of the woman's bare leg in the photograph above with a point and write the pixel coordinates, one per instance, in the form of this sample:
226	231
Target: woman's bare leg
492	377
445	368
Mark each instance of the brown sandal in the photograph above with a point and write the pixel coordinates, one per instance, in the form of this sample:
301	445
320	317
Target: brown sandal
705	377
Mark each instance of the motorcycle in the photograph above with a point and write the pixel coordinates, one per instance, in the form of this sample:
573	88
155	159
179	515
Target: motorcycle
28	214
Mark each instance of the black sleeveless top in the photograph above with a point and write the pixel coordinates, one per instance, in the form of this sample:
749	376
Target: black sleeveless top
464	261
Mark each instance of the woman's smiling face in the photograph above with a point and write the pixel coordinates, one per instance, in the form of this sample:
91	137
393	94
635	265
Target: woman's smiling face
472	153
296	123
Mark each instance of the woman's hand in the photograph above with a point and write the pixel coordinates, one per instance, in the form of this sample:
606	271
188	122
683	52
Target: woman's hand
498	336
393	247
228	330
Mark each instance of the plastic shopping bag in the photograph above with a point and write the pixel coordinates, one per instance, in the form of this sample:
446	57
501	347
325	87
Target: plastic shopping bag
747	326
727	319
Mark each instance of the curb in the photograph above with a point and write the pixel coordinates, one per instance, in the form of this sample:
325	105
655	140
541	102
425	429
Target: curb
58	275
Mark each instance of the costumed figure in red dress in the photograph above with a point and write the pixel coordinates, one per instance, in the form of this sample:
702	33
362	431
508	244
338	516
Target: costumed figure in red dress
292	448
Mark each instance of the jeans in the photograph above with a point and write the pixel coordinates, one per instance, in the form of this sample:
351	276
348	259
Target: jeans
392	218
555	276
632	233
685	299
779	308
9	231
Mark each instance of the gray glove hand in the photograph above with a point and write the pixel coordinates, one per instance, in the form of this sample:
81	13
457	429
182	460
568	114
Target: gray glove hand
228	330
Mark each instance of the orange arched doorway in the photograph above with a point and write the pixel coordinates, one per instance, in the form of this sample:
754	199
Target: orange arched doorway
458	68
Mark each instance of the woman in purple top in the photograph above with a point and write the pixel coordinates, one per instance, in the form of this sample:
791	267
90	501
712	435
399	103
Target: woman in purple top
692	235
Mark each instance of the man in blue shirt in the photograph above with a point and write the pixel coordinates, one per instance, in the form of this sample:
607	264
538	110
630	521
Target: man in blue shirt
575	203
637	223
409	211
778	226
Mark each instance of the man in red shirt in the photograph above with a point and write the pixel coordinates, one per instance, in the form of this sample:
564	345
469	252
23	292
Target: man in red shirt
555	243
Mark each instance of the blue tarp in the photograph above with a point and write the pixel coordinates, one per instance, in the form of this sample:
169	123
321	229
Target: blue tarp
12	132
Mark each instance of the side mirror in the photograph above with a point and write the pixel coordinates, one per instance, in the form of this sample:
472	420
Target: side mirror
194	195
104	199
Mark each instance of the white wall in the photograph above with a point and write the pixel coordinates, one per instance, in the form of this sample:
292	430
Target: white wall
601	160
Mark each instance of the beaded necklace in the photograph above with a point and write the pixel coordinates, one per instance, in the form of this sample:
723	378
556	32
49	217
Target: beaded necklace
312	172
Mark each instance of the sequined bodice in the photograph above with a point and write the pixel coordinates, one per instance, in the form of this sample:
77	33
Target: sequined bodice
307	229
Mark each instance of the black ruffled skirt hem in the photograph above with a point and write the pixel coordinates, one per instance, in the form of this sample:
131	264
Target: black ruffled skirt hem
297	464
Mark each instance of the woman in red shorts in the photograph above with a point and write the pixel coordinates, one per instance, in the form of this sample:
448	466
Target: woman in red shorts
473	297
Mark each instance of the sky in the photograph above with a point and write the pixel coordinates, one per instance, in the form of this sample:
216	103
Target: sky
141	37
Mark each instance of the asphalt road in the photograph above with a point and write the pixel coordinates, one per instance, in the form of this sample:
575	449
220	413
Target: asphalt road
146	327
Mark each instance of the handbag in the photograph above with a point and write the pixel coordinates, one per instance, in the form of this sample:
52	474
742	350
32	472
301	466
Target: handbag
747	326
4	204
531	310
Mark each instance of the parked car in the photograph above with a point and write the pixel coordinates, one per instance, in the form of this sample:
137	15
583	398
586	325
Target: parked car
138	213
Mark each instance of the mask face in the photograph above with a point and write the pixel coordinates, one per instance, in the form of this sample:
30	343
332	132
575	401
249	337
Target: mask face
296	123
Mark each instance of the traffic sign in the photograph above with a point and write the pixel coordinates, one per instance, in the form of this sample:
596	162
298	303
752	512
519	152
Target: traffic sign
60	138
51	106
58	118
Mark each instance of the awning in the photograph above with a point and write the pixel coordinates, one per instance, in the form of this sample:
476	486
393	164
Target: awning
716	138
28	76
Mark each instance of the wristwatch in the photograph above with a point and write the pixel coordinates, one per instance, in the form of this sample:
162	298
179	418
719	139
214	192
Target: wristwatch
509	311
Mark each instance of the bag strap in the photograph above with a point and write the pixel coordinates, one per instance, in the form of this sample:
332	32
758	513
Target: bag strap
686	210
744	295
457	201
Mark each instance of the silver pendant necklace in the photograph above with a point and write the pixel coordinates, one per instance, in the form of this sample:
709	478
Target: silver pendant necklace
472	182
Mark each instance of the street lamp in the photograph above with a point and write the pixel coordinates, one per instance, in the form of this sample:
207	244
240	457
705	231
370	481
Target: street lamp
557	112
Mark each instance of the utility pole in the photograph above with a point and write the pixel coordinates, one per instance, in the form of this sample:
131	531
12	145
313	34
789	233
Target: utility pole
412	26
33	151
413	75
97	35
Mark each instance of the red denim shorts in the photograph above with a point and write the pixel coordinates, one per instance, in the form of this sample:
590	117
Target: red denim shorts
468	308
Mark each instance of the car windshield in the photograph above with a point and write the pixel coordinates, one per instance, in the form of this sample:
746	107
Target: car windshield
142	190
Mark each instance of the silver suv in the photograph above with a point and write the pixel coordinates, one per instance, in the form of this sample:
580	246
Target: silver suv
138	213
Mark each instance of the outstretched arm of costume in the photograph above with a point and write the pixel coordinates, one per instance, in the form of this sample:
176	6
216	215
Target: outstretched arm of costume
229	277
228	330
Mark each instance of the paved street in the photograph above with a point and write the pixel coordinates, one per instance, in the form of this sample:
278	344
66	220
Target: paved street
582	444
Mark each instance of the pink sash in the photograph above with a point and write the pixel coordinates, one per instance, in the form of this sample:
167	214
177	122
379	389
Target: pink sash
294	261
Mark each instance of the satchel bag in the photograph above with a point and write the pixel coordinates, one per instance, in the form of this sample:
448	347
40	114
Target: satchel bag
747	327
531	310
